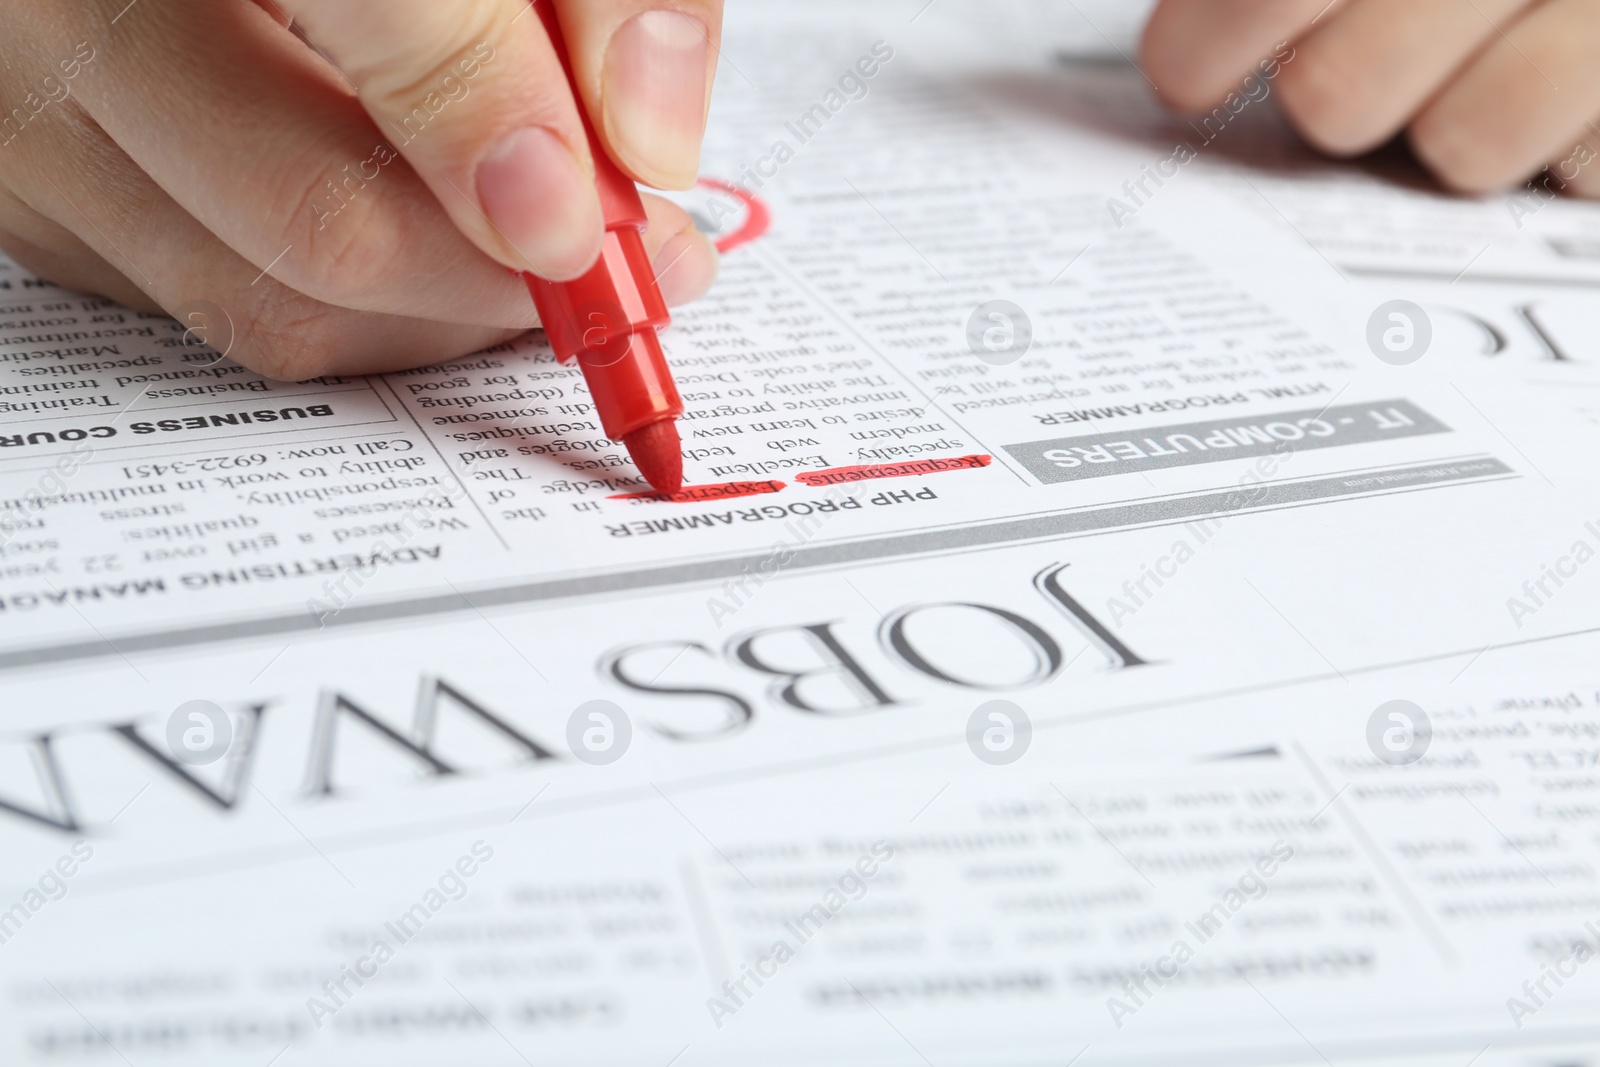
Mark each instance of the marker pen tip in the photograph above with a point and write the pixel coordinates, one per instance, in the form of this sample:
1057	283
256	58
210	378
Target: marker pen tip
658	453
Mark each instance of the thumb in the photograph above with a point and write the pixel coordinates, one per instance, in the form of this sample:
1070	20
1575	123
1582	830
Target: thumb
644	71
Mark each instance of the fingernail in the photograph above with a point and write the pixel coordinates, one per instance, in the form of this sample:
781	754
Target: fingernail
655	95
542	202
685	267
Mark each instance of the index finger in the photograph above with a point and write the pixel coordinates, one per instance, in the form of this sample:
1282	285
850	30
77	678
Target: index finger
472	93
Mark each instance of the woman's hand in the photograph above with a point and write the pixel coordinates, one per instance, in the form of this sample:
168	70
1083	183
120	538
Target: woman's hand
353	206
1489	91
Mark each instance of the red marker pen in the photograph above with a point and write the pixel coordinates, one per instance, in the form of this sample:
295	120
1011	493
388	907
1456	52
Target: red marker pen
607	318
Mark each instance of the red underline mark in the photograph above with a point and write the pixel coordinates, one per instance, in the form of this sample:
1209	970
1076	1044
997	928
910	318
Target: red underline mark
700	494
910	468
757	217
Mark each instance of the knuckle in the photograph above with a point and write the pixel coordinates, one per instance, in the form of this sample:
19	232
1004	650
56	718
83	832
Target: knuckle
25	255
291	338
455	49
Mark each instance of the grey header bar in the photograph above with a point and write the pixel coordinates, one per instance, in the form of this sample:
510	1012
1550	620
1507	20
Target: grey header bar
1066	459
1262	497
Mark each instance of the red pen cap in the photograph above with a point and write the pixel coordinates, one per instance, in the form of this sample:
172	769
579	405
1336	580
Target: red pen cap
607	317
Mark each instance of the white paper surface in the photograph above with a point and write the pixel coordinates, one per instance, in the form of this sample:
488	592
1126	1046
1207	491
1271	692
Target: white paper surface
1210	537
